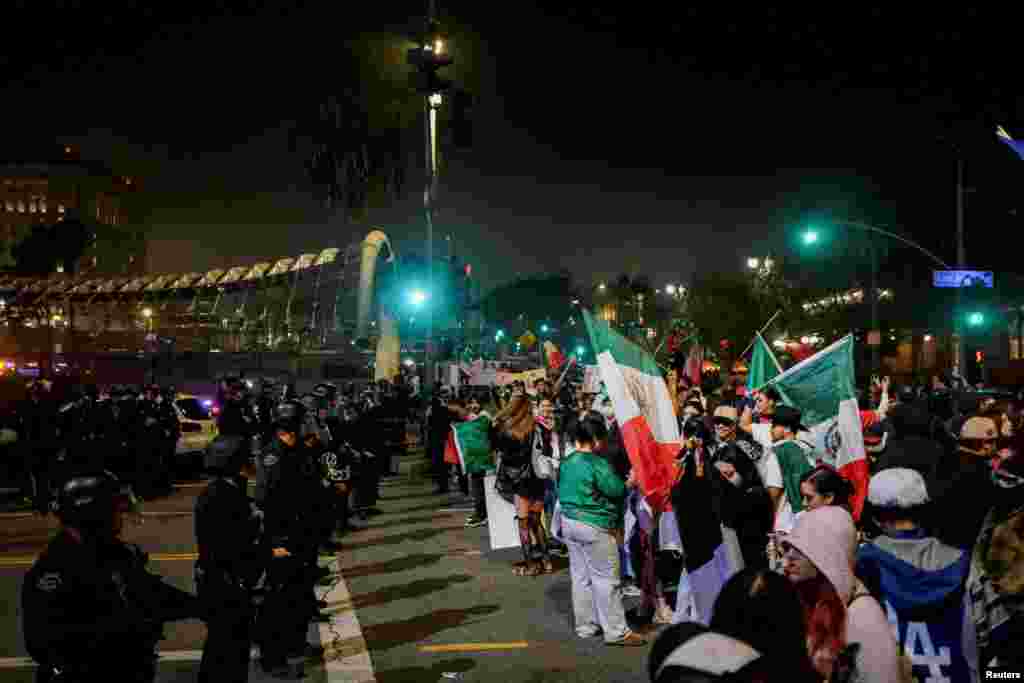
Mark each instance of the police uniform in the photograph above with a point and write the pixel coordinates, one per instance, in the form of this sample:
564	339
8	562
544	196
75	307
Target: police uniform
148	445
233	557
282	490
90	609
170	427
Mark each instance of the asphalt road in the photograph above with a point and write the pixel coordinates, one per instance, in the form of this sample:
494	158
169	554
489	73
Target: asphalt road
423	594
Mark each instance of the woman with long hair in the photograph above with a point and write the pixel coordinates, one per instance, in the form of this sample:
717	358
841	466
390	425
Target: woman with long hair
745	505
514	435
848	634
825	486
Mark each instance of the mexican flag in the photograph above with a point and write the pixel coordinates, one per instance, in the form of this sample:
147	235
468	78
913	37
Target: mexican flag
764	366
643	409
822	388
473	444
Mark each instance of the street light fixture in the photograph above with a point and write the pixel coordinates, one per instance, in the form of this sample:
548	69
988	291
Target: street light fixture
753	263
544	329
417	297
810	237
670	289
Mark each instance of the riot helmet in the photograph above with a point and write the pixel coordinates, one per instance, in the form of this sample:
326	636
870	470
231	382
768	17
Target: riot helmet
91	502
289	416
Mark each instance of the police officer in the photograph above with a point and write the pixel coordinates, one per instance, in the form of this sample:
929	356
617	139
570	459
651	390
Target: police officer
236	417
38	443
233	557
170	433
90	609
265	405
282	491
149	444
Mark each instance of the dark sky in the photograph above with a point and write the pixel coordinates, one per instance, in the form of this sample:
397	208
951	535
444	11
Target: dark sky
622	138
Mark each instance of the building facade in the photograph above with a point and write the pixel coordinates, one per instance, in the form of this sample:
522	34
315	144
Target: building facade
46	185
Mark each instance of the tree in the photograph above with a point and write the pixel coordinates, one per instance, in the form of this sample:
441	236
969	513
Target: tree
726	310
530	301
49	246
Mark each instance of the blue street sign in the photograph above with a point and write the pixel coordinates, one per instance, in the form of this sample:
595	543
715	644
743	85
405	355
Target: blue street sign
955	279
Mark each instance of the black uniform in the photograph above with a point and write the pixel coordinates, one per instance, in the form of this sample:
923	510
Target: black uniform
233	556
237	419
92	611
282	490
149	444
170	427
37	439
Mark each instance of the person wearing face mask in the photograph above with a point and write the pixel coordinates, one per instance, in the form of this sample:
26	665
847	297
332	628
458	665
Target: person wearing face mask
746	507
962	487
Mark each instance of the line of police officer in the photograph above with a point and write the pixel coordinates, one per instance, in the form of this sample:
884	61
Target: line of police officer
132	433
91	611
258	557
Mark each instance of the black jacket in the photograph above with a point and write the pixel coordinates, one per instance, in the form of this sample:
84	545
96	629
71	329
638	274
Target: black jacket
95	609
229	532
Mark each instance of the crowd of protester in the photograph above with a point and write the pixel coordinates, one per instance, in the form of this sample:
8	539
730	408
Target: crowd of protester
927	582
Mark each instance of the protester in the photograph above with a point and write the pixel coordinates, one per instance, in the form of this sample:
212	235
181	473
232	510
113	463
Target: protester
825	486
846	628
551	437
919	580
591	496
762	608
726	432
513	436
963	482
996	581
745	504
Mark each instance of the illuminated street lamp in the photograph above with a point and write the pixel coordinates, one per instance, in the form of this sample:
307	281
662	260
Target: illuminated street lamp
670	289
544	329
753	263
417	297
811	237
602	287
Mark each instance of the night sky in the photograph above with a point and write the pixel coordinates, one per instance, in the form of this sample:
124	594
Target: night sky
622	139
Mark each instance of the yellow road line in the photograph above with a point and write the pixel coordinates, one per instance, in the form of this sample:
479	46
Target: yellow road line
475	647
28	560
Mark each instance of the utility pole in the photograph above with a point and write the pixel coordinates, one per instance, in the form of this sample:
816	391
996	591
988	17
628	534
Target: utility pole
961	263
428	58
876	349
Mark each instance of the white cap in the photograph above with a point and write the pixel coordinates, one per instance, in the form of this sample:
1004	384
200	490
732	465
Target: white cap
898	487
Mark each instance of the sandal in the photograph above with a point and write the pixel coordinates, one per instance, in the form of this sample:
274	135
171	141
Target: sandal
527	570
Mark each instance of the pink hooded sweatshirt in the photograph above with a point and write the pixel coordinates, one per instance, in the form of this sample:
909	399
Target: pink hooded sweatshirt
828	538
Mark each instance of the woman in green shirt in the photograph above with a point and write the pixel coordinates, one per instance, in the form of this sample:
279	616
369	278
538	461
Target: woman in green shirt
592	495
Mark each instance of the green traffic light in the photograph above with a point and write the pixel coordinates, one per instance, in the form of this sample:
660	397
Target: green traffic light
580	350
543	328
810	237
976	319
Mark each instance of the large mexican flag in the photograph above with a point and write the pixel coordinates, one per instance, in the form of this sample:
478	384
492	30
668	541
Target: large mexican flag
643	409
822	388
472	443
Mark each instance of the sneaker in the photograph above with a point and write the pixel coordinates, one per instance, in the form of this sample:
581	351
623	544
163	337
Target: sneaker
473	521
631	590
560	551
631	639
588	632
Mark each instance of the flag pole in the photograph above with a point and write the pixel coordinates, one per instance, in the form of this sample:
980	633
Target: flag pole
761	331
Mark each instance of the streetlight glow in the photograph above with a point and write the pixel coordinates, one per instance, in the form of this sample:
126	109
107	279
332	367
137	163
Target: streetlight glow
543	328
409	362
810	237
147	312
753	263
580	350
670	289
417	297
601	286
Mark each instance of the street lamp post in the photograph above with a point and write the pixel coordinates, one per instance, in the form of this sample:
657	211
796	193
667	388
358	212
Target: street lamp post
811	237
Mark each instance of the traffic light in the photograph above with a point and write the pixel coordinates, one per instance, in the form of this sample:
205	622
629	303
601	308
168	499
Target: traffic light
976	319
979	356
428	60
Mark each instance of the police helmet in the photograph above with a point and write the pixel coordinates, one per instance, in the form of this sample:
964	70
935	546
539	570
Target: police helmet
289	416
309	401
89	500
322	390
225	453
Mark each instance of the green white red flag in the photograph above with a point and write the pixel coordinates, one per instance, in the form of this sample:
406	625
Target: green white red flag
643	409
823	389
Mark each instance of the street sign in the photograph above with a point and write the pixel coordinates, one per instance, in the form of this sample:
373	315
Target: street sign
955	279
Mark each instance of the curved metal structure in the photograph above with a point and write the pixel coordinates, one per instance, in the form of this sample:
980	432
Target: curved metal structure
311	301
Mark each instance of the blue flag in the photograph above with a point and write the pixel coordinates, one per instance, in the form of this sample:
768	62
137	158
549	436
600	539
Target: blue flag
1015	145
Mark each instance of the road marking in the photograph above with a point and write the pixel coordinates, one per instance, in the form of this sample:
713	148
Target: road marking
346	656
475	647
467	509
29	560
192	486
